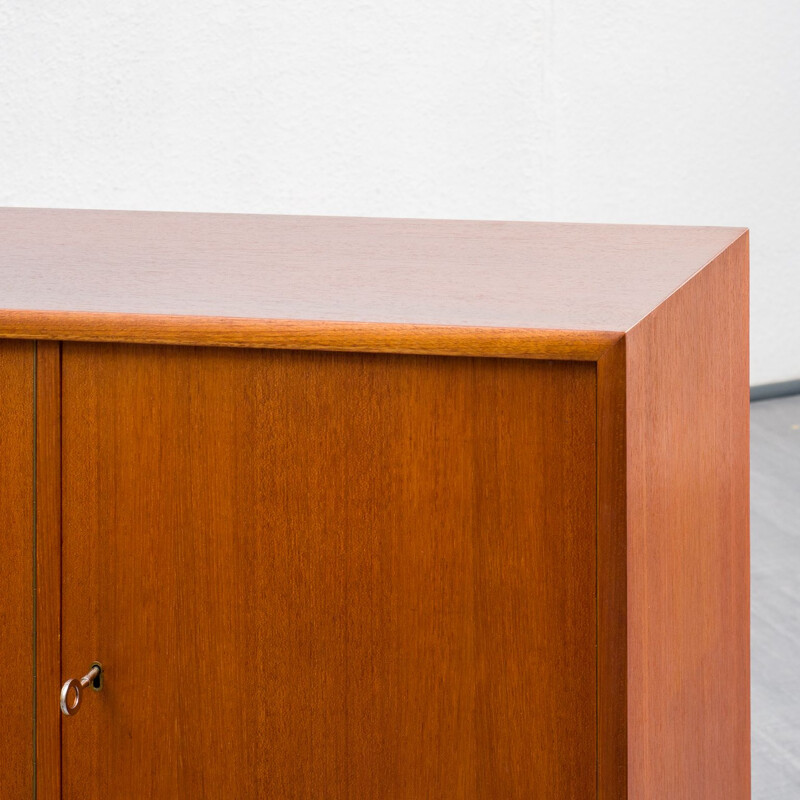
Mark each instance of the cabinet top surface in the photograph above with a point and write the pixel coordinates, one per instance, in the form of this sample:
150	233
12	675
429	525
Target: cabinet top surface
61	270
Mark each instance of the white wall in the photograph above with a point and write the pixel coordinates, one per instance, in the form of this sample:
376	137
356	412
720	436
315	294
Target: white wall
622	111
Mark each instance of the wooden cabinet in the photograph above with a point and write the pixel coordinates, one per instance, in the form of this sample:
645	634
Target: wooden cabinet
373	508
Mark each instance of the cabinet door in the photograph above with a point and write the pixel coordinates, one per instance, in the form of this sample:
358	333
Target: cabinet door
320	575
17	545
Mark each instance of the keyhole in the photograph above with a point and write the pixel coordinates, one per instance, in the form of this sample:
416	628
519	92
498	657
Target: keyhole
97	681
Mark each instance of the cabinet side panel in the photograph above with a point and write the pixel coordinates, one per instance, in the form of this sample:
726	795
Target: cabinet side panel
16	584
328	575
688	539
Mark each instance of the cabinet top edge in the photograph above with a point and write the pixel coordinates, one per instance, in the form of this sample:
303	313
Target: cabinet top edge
336	336
525	289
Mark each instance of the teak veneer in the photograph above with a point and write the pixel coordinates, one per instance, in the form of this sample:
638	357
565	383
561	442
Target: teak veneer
373	508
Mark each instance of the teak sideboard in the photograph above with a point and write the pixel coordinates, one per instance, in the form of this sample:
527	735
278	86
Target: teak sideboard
370	508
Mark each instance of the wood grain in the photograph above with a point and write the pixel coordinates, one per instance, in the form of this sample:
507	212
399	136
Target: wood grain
612	597
48	570
307	335
688	616
16	585
421	286
342	574
338	575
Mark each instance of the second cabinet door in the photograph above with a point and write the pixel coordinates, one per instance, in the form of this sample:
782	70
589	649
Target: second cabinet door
317	575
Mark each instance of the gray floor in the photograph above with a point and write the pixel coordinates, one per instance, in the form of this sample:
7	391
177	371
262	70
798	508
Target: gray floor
775	598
